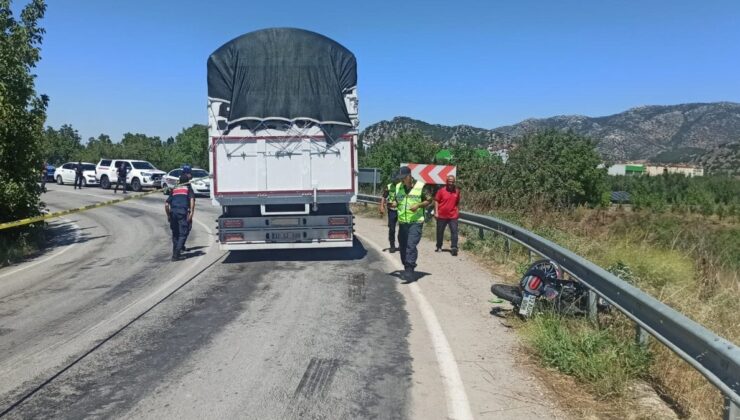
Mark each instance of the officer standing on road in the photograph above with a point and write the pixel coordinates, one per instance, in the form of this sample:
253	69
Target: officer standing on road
78	175
388	203
188	172
411	200
180	207
121	172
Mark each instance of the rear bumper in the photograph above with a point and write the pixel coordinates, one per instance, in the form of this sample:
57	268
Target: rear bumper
237	246
285	232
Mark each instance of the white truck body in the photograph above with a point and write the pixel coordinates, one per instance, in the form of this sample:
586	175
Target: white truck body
283	185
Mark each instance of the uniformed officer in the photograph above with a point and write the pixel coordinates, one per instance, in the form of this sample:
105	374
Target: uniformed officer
388	203
411	200
180	207
187	170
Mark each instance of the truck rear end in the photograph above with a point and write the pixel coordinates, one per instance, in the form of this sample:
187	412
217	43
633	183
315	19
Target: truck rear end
283	140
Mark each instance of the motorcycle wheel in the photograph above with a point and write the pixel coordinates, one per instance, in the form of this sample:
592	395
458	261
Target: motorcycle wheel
549	267
508	292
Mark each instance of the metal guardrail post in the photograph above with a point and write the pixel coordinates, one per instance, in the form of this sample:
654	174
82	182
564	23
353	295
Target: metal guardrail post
731	410
481	234
593	310
641	336
529	255
507	249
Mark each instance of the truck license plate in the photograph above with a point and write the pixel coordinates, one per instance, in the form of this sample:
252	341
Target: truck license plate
527	305
286	236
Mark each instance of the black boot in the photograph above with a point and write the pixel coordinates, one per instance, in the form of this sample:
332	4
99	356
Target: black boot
408	275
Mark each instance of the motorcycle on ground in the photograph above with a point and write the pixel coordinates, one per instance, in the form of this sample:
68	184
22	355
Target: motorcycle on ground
543	287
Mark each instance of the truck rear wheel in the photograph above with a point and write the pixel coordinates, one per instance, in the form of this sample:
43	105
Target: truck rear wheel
104	182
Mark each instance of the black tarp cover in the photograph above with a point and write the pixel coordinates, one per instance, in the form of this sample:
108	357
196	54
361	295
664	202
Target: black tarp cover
282	73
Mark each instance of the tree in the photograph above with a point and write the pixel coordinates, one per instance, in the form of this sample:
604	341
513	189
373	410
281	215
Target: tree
554	168
100	148
143	147
407	147
191	146
63	145
476	171
22	111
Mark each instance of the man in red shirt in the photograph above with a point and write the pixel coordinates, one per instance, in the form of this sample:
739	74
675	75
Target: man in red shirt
446	210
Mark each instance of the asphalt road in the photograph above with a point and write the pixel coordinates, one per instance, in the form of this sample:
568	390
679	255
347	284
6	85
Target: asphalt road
102	324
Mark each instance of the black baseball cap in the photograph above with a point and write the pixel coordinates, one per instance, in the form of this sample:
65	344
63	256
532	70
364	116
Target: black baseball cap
403	173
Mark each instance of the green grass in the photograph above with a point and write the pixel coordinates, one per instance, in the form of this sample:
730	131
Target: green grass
17	244
651	268
598	358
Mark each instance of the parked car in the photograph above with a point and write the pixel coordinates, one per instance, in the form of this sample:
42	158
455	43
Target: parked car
142	174
65	174
200	186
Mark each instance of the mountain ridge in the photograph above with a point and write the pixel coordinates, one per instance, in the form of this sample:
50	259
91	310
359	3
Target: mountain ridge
641	132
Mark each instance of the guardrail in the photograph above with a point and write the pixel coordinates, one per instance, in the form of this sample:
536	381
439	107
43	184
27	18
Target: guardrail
713	356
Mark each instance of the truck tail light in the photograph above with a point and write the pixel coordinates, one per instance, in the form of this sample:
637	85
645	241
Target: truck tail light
233	223
339	221
338	234
233	237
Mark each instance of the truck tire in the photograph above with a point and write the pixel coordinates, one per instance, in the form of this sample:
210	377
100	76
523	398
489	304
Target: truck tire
59	180
136	184
104	182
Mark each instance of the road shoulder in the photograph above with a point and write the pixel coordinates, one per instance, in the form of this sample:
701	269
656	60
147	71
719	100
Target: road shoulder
485	349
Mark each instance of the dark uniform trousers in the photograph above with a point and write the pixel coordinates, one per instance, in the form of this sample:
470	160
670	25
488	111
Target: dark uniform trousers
409	236
121	182
392	220
179	226
78	180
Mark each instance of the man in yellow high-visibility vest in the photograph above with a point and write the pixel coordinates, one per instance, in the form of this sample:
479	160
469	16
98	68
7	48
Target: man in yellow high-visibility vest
411	200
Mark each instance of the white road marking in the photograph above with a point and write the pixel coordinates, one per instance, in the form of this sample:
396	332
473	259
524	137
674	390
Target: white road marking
62	251
458	406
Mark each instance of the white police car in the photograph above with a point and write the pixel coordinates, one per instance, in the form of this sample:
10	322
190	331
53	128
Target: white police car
201	181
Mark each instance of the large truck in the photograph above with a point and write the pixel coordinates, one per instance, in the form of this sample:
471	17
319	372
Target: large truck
282	124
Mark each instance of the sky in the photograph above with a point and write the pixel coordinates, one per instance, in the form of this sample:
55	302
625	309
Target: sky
140	66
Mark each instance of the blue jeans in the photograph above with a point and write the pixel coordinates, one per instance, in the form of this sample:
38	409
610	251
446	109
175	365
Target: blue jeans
409	236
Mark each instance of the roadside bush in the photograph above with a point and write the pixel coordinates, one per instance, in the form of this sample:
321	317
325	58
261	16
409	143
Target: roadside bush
554	169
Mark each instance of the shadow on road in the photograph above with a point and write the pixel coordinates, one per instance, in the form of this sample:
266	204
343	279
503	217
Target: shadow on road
418	275
357	252
59	235
191	254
